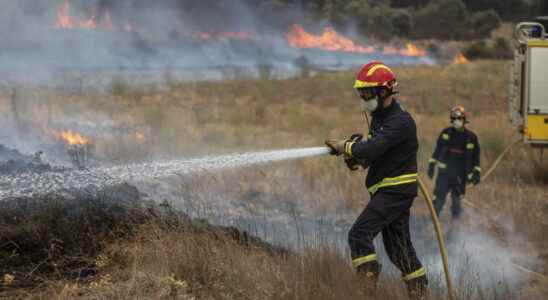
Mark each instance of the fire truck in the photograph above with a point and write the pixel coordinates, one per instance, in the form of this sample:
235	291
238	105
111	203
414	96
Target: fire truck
528	98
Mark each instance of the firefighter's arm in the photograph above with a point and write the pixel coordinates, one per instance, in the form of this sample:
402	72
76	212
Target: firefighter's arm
477	168
434	160
475	176
442	140
395	131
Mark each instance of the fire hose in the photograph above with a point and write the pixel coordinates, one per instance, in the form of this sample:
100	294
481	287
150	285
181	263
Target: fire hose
439	235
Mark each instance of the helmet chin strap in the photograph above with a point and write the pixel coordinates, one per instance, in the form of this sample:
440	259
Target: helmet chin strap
380	100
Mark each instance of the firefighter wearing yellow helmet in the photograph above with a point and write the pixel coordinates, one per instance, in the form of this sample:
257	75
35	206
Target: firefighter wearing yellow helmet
457	158
390	153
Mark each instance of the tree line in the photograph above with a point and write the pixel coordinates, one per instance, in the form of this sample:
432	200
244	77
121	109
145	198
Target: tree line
441	19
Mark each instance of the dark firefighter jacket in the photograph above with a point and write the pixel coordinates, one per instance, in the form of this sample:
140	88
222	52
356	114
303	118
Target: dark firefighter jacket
457	153
390	150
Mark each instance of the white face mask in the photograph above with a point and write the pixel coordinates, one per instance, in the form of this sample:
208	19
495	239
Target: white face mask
369	105
458	124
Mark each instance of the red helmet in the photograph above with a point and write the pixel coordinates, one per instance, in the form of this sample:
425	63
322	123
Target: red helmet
458	112
375	74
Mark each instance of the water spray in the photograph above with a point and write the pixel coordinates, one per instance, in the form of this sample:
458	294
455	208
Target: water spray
32	184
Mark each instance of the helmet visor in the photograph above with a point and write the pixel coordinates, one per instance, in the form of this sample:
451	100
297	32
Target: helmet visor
367	93
457	115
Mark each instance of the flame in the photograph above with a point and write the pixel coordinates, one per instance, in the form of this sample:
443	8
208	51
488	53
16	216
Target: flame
66	21
329	40
412	50
90	23
71	138
139	136
460	59
107	21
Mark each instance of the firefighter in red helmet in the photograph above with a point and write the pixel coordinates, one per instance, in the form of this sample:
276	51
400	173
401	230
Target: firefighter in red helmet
390	152
457	157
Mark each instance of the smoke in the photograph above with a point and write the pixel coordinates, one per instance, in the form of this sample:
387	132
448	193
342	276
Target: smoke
484	254
142	40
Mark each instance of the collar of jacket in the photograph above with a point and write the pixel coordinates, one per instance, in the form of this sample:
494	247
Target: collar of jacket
457	131
385	111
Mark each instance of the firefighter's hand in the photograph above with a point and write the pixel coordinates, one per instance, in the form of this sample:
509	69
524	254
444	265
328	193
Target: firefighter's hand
336	146
356	137
354	163
351	163
476	178
339	147
431	169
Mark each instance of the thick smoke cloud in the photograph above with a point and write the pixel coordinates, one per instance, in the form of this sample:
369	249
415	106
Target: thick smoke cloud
142	30
141	36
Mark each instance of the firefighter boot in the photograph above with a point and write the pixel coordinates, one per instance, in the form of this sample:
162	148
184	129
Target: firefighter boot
369	274
416	288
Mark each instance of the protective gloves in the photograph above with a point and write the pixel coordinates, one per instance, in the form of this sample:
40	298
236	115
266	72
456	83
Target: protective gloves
431	169
474	177
351	162
339	147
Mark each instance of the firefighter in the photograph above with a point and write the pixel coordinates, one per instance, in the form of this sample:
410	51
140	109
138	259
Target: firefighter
390	152
457	157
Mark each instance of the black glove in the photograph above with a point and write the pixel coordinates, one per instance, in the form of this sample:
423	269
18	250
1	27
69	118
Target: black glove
351	163
431	169
476	177
357	137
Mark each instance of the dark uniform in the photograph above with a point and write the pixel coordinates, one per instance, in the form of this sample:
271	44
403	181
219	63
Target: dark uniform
391	152
457	156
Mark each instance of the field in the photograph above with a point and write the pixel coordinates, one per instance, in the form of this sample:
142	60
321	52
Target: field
504	223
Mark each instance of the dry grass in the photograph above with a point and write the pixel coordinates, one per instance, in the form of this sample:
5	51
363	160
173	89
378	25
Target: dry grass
188	265
191	119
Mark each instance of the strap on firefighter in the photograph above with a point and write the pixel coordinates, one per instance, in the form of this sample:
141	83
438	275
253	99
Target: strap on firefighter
364	259
418	273
391	181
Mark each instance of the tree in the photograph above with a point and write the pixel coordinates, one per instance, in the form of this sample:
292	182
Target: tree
408	3
482	23
508	9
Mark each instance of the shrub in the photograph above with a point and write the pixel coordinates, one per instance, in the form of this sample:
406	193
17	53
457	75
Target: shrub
502	49
477	50
402	23
482	23
480	50
449	19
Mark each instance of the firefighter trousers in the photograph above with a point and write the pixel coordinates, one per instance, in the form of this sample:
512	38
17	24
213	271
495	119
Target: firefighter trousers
445	184
387	212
